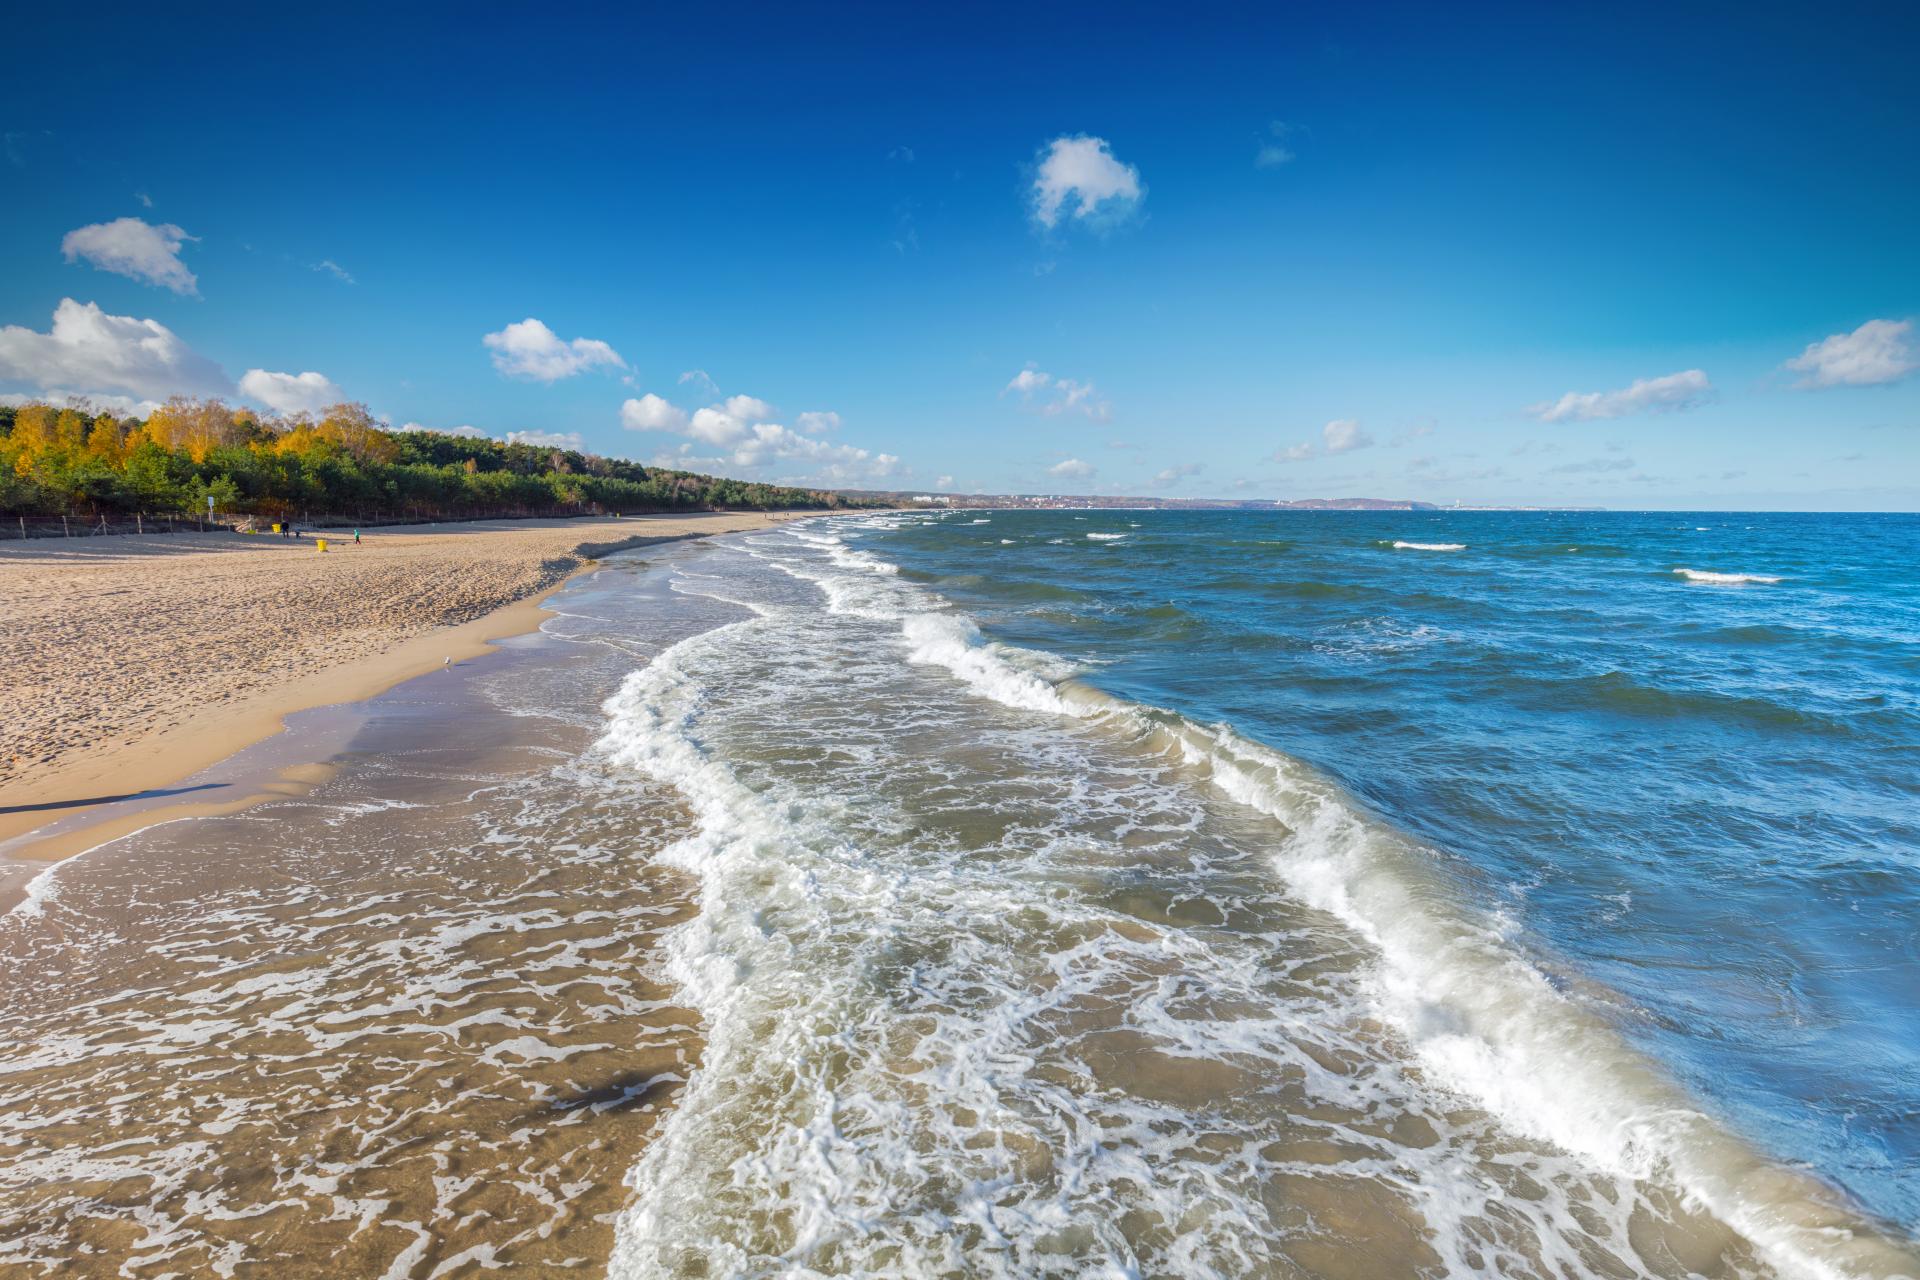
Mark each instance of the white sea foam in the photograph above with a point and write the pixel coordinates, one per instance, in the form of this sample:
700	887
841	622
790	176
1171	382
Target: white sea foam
1430	546
952	641
1106	537
1489	1024
1724	579
803	918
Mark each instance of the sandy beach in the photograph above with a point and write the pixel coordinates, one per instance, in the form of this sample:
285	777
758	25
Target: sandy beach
136	661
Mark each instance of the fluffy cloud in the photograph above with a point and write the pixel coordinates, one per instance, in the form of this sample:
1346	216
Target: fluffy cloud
1072	469
548	439
1685	390
729	423
125	406
136	249
90	349
943	483
1044	393
1878	351
1293	452
768	442
1079	176
307	392
651	413
1343	435
747	408
1175	474
531	350
715	426
742	428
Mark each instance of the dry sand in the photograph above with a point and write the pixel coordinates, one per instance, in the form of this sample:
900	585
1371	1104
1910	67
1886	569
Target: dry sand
132	662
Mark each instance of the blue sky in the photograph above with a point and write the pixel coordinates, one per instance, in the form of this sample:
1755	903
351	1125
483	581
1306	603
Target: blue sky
1306	253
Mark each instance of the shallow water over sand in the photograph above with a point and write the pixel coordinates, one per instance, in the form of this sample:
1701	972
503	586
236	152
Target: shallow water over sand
407	1023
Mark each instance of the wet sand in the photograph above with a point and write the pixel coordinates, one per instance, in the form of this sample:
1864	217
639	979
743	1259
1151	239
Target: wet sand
137	661
403	1016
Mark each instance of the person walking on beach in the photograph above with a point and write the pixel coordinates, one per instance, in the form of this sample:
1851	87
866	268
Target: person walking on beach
356	537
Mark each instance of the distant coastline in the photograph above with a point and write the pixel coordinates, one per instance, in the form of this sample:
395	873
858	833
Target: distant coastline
1116	502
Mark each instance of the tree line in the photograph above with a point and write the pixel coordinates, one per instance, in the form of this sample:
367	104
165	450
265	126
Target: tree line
72	460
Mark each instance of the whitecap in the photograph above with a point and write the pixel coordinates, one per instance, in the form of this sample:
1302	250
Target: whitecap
1724	579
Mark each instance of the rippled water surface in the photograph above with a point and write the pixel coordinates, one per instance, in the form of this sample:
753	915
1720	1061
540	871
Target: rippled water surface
1049	894
1680	754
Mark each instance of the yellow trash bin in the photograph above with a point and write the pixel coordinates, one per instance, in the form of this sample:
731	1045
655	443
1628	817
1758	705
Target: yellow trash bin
320	544
276	528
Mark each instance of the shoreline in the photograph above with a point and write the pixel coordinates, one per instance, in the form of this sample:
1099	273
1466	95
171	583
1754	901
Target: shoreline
98	784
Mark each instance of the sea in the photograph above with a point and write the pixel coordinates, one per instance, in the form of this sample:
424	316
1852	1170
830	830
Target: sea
1045	893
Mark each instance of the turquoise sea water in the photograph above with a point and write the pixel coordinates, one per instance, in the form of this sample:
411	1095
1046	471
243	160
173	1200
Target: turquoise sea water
1696	798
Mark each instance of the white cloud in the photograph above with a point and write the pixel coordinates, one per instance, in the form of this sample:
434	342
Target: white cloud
742	429
1676	391
700	380
715	426
90	349
768	442
146	201
529	349
1175	474
1878	351
124	406
549	439
334	269
1046	394
731	422
651	413
1274	150
1072	468
1343	435
1294	452
307	392
943	483
747	408
136	249
1082	170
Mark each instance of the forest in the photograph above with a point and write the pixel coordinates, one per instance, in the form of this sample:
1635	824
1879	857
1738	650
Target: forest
343	464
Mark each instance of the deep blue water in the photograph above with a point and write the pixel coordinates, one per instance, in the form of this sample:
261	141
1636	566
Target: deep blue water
1699	799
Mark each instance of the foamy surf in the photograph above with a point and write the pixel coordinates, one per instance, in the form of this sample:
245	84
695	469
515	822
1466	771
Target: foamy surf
1429	546
862	961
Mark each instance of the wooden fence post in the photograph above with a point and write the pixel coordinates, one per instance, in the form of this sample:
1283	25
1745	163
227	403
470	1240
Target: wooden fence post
64	531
